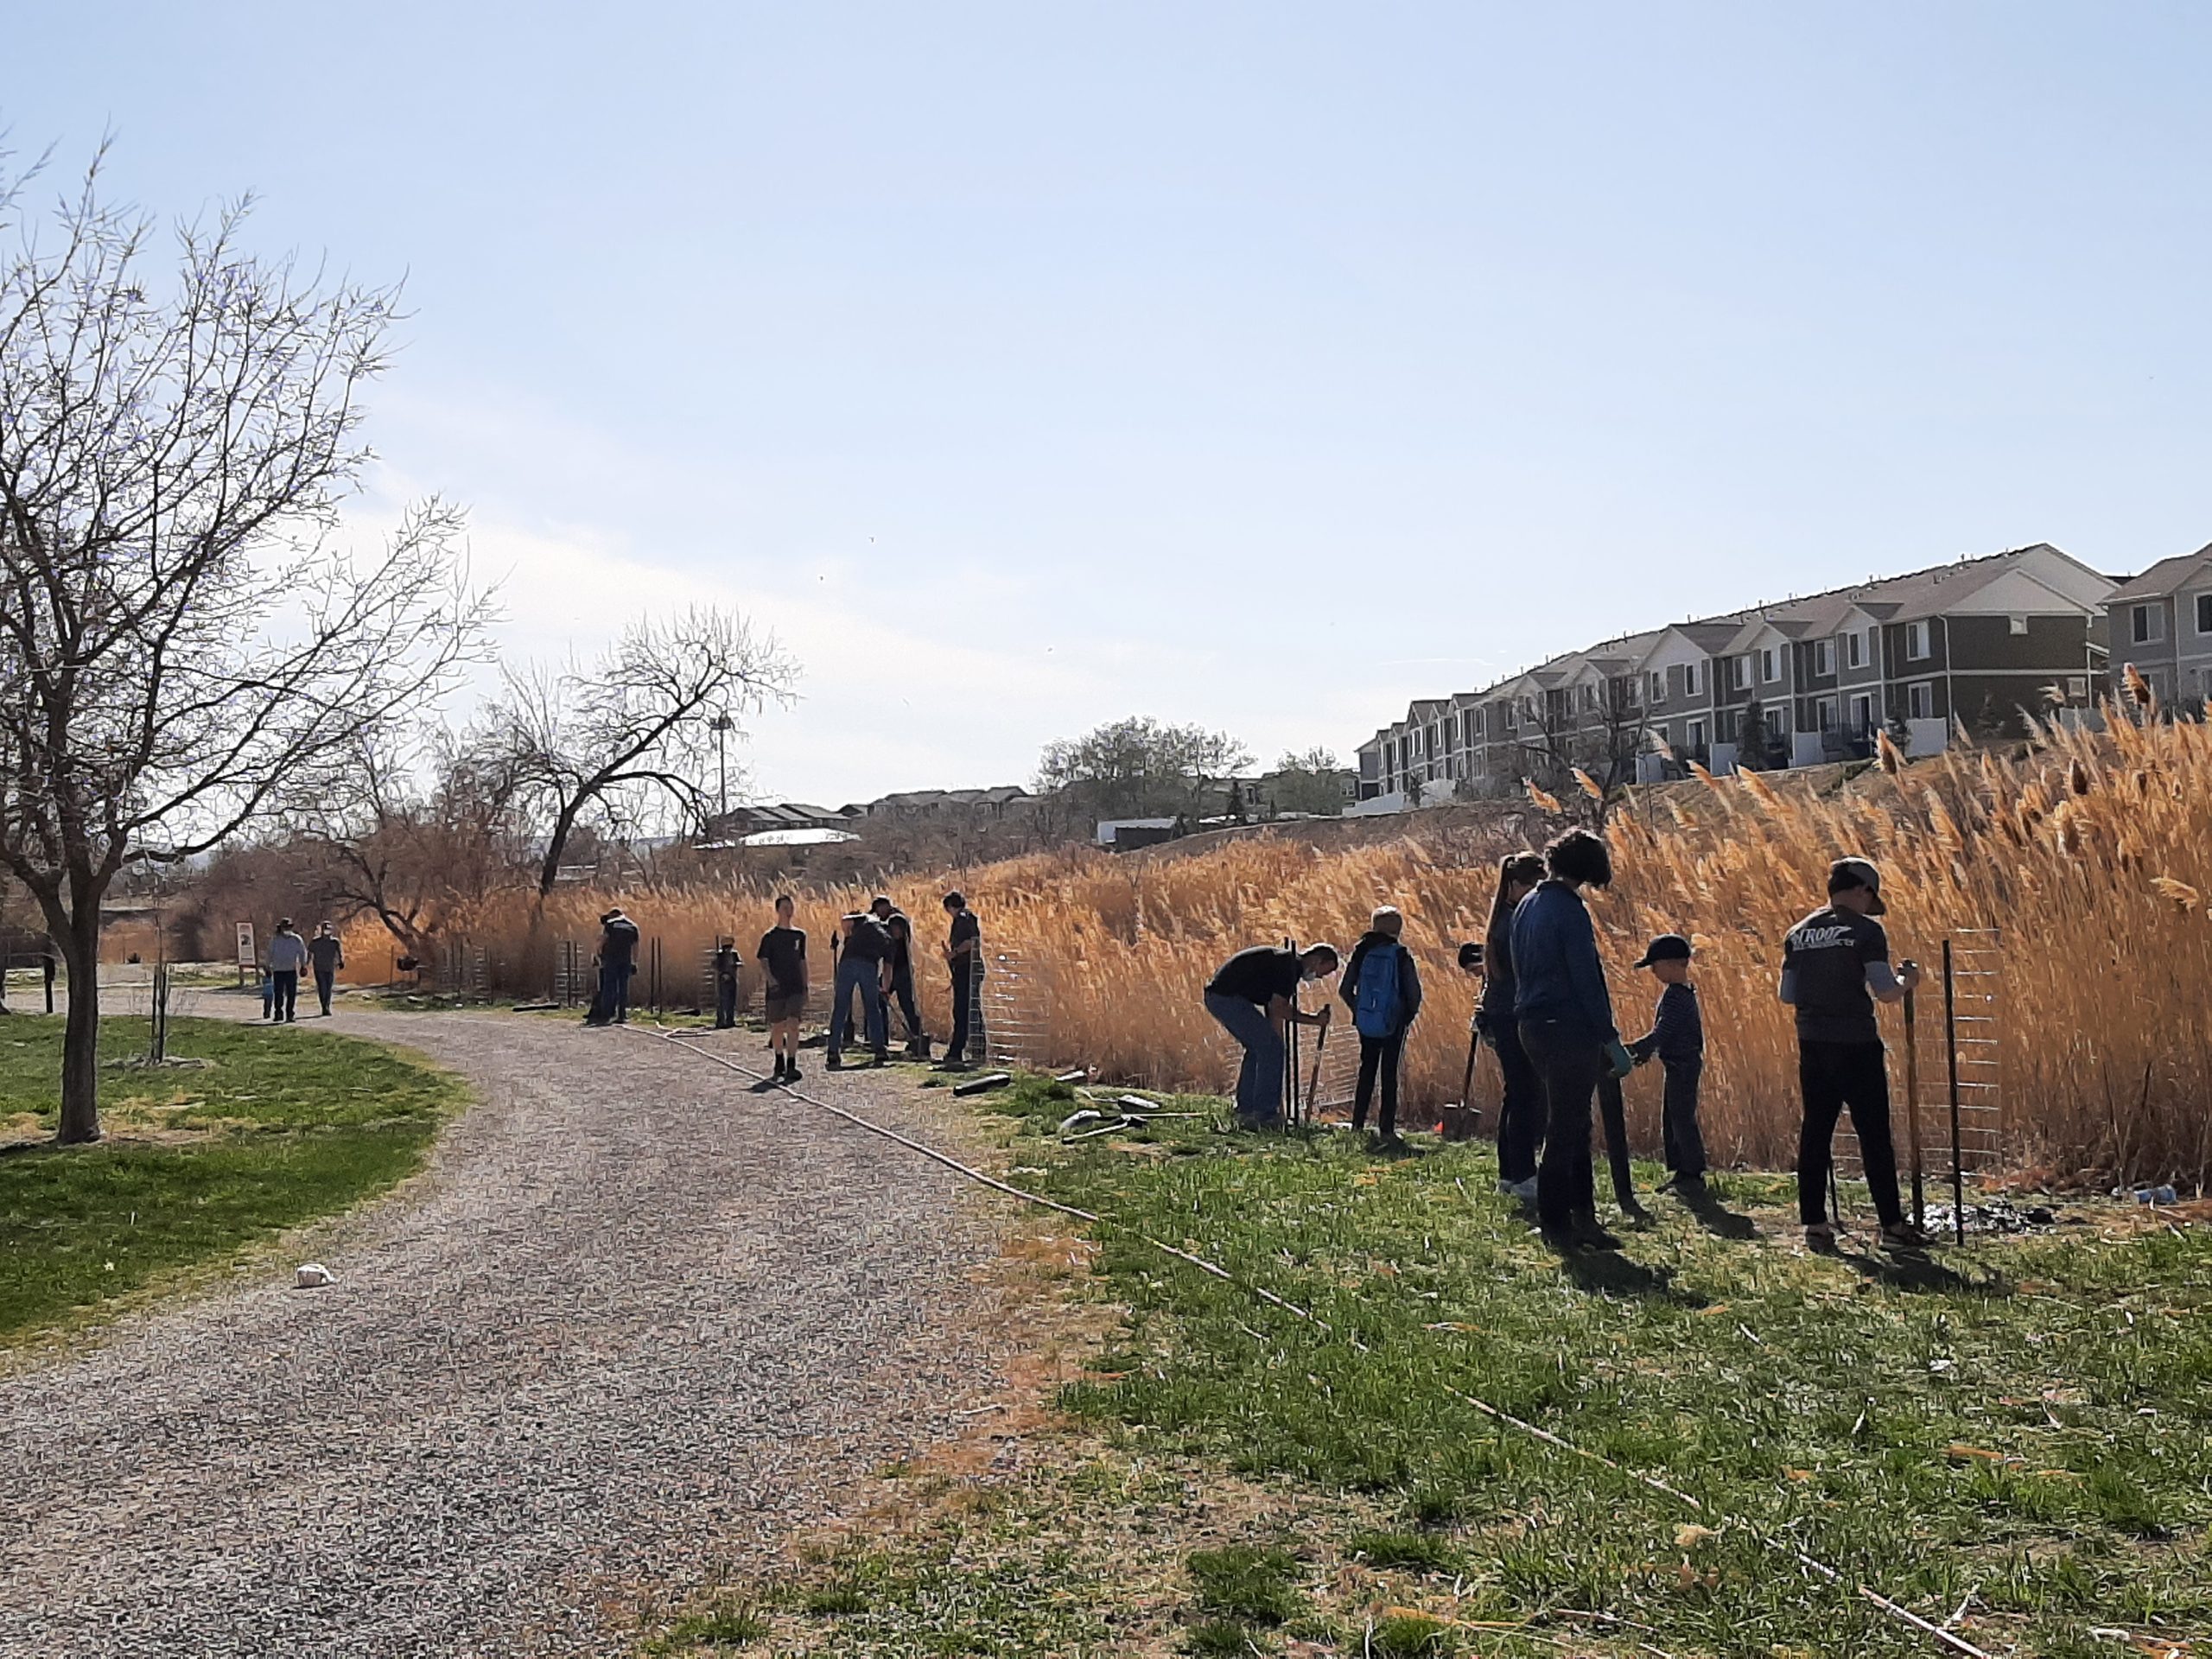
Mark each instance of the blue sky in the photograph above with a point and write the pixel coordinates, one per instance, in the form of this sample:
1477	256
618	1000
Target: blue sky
1263	365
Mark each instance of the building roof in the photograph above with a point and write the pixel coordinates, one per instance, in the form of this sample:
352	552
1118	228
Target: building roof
2166	577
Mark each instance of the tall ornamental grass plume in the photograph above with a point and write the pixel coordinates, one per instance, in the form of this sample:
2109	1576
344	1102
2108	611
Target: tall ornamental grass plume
2091	852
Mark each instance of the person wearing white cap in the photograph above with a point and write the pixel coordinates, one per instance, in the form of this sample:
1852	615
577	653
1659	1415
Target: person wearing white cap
1836	966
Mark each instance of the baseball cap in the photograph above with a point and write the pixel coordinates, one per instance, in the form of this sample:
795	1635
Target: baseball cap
1667	947
1848	873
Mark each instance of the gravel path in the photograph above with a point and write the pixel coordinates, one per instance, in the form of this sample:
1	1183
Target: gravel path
634	1320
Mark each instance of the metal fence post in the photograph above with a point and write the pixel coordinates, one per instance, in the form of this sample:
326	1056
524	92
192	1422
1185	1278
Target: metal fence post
1951	1051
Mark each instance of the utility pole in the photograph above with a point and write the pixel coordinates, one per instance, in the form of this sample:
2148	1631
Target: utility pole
722	726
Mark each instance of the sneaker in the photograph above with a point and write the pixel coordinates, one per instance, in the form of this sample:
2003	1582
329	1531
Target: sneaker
1820	1238
1524	1191
1903	1235
1389	1143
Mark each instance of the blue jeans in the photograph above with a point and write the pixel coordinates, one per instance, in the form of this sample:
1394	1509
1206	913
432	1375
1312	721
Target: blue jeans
1259	1080
614	992
865	977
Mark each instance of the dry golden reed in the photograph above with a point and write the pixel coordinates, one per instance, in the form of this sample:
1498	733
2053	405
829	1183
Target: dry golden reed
2090	852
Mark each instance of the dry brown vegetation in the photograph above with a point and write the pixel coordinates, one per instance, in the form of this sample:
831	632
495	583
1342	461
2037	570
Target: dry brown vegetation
2092	853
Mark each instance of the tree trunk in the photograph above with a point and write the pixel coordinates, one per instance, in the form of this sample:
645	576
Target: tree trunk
80	944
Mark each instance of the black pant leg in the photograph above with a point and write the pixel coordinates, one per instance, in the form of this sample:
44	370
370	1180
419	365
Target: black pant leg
1520	1105
1370	1057
1394	1049
323	986
1685	1139
1614	1110
1866	1090
1568	1066
1821	1080
964	996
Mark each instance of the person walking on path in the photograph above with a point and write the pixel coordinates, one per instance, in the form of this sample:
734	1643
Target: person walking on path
326	956
1520	1097
287	954
1254	996
1381	987
618	959
1566	1018
1676	1039
864	968
1835	965
782	956
963	961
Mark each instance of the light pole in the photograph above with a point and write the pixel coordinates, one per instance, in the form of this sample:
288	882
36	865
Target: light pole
722	726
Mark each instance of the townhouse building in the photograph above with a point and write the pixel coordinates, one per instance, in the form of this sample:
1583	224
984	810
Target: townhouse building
2161	622
1973	644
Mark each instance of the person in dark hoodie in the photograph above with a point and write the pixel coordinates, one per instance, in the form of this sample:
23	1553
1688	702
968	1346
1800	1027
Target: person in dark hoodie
1565	1018
1677	1040
618	959
1521	1103
1382	1004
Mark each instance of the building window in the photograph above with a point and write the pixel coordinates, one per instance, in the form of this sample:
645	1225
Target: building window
1777	720
1740	672
1862	715
1854	649
1823	657
1824	713
2018	625
1727	725
1769	669
1697	735
1589	697
2204	612
1690	680
2077	688
2144	624
1915	642
1920	700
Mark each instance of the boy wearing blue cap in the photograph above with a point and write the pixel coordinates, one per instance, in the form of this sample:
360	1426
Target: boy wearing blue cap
1677	1037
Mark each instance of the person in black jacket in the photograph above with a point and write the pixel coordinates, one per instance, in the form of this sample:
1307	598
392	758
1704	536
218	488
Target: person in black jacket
1677	1040
618	959
1566	1025
1382	1048
1521	1103
865	969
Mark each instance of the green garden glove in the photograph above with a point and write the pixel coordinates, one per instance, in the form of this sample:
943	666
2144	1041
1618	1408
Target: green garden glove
1617	1057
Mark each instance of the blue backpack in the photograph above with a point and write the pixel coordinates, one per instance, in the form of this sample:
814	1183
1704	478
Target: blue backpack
1375	1012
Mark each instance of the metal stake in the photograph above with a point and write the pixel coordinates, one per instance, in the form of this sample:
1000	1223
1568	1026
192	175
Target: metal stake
1951	1048
1912	1109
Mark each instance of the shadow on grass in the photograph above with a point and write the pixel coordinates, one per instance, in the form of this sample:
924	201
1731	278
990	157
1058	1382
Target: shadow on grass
1922	1273
1608	1273
1713	1215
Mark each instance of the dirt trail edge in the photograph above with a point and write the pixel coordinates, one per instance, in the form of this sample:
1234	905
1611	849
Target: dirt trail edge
634	1321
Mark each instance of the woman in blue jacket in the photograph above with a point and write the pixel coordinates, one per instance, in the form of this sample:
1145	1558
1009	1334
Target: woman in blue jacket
1566	1020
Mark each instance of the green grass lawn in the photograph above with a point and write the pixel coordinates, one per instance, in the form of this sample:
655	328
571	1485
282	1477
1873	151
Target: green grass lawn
277	1127
2020	1427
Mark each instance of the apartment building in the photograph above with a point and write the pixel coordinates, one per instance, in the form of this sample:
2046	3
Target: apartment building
1973	643
2161	622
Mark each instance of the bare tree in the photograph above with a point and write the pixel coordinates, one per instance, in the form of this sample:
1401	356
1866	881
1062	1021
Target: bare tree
178	636
636	732
413	831
1599	744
